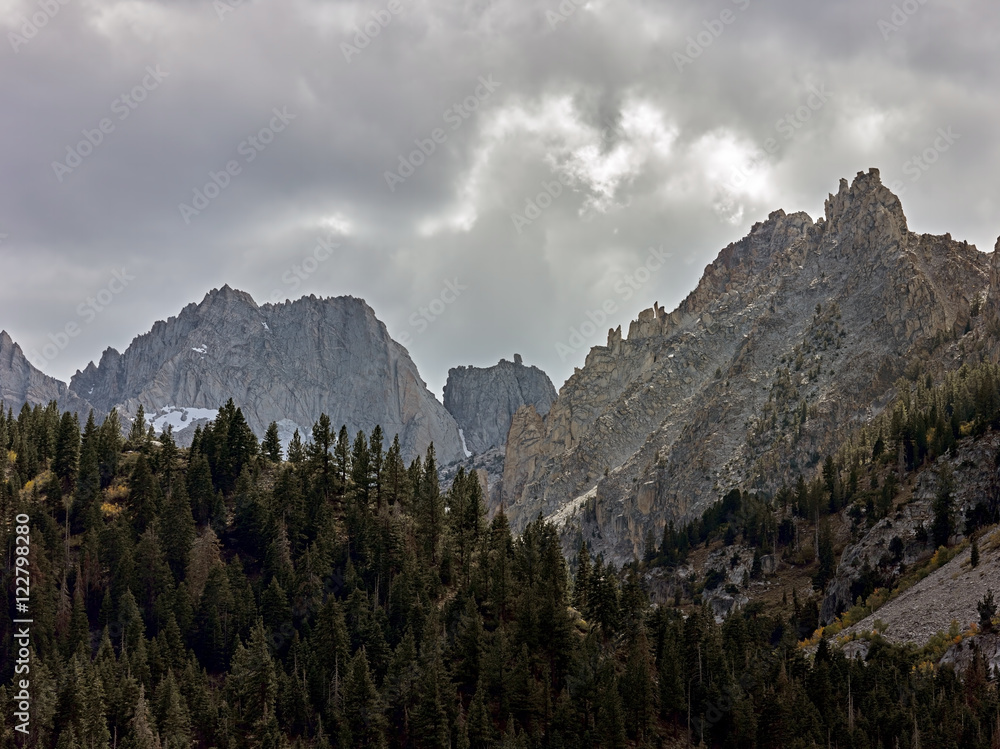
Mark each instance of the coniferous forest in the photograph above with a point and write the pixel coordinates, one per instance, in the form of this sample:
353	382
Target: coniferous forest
230	595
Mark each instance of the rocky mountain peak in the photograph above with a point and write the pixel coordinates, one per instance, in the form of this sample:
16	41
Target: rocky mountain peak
865	205
286	363
797	317
21	382
483	400
227	297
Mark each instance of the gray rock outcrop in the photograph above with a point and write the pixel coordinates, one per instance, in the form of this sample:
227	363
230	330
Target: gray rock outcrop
483	400
21	382
286	363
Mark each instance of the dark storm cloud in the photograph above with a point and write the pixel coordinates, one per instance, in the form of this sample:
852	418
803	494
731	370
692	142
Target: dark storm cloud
639	125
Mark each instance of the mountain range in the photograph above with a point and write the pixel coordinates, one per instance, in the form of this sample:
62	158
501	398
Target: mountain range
286	363
795	335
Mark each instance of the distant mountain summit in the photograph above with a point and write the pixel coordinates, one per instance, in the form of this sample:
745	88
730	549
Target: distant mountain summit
484	399
286	363
21	382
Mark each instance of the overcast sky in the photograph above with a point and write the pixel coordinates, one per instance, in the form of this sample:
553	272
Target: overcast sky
654	124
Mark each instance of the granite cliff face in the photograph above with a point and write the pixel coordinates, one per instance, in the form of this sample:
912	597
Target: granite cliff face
286	363
483	400
794	335
21	382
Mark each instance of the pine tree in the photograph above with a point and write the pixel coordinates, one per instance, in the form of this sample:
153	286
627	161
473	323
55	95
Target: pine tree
271	446
214	626
603	605
430	720
479	725
94	728
377	456
396	479
278	558
141	734
362	706
88	482
178	530
109	447
825	555
943	525
166	460
361	470
321	465
637	686
252	688
342	454
609	722
172	713
78	637
400	689
330	641
465	519
430	510
987	611
144	495
137	432
205	555
67	457
251	515
468	646
242	445
276	614
154	580
580	585
288	495
296	452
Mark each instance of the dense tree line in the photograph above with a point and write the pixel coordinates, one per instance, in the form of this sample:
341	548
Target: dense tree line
228	595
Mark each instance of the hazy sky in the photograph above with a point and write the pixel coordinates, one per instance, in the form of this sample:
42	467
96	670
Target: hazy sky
650	124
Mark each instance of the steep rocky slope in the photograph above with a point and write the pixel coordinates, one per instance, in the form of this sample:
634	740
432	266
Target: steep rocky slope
946	595
21	382
286	363
483	400
794	334
898	541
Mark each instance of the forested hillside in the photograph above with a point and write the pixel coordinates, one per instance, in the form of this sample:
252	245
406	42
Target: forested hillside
230	596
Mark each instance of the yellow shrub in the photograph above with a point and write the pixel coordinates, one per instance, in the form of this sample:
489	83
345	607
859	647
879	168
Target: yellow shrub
115	493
